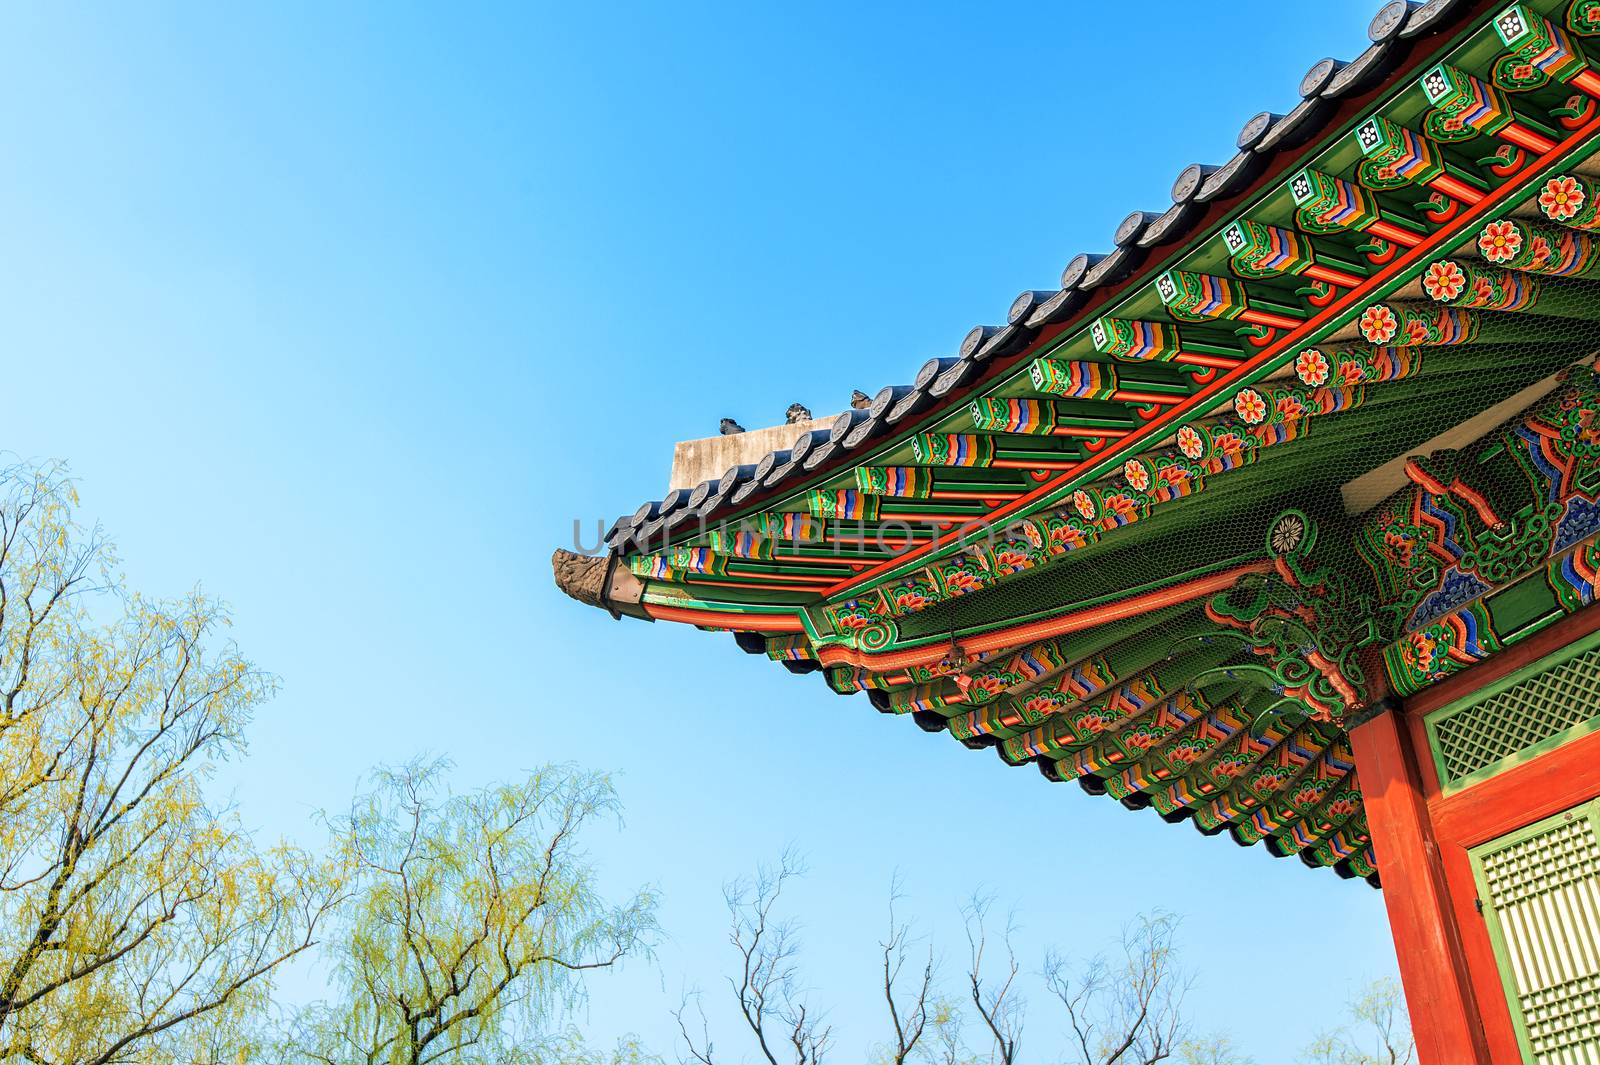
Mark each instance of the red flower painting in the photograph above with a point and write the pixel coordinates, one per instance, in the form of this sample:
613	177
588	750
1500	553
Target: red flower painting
1249	405
1482	291
1444	281
1311	366
910	602
1538	252
1378	324
1561	198
1500	241
1190	443
1227	443
960	582
1342	807
987	682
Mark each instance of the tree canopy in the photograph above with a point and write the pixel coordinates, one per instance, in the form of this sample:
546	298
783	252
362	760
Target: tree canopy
135	917
472	917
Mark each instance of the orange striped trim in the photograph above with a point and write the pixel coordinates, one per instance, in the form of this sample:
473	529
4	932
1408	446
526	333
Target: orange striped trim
721	619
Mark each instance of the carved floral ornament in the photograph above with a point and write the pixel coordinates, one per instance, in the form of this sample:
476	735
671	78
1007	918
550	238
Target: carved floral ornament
1305	622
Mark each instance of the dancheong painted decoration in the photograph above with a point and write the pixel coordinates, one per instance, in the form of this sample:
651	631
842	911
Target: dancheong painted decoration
1250	519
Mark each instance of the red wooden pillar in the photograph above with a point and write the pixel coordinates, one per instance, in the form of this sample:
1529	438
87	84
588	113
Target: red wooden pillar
1433	969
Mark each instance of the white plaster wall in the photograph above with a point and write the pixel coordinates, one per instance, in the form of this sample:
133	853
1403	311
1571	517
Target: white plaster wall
709	458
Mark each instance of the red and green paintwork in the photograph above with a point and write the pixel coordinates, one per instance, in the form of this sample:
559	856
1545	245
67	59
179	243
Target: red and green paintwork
1125	557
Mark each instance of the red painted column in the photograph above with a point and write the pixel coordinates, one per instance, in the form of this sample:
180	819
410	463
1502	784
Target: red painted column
1433	970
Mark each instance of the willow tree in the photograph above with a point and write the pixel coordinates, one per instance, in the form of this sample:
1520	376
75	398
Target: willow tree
137	921
473	920
1378	1031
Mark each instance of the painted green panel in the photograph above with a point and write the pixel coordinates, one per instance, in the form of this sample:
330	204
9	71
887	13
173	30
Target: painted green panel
1541	706
1529	603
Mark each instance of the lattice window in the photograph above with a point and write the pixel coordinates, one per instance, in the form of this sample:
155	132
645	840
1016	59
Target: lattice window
1473	737
1541	888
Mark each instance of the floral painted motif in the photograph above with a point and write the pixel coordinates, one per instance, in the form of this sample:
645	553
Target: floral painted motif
1228	442
1270	778
1343	806
1400	546
1287	534
1311	366
1510	73
1249	405
1043	704
1311	792
1417	329
853	617
1186	751
1096	720
1425	650
1067	536
1190	443
1445	280
1054	534
1538	253
1083	503
1123	505
1008	560
1138	476
1561	198
1378	324
962	581
988	682
1143	737
907	600
1173	473
1230	766
1500	242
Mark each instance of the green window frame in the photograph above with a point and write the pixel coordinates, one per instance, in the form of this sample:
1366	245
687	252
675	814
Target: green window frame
1539	707
1539	890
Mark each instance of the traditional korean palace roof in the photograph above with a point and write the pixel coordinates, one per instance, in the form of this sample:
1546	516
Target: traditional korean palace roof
1317	435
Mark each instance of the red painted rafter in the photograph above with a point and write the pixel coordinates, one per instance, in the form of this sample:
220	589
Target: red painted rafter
1027	632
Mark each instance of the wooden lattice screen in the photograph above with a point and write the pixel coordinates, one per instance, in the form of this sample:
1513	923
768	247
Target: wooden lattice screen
1547	703
1540	890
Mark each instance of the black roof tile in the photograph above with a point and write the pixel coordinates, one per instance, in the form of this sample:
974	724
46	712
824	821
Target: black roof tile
1197	184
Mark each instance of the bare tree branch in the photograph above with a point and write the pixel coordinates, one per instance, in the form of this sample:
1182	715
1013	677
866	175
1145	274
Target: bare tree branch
996	1001
1129	1012
910	1019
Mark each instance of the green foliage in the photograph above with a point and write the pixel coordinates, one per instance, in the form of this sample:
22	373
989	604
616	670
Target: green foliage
1378	1032
1212	1050
137	923
474	918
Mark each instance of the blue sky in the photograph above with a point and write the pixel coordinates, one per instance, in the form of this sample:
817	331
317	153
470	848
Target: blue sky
348	311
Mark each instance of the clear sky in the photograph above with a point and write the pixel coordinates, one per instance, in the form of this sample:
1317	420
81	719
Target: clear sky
349	311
